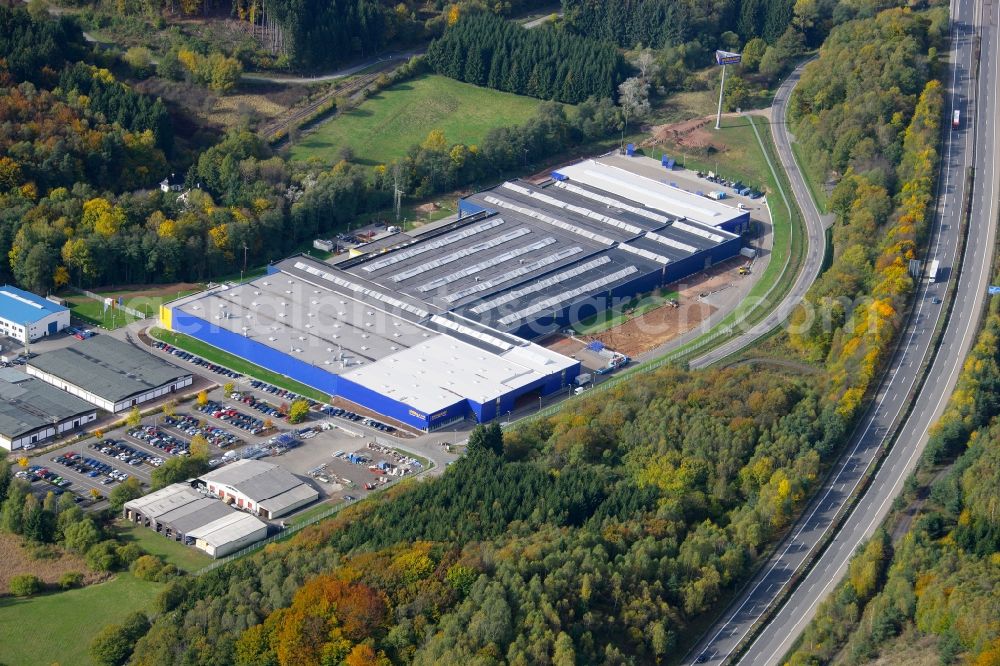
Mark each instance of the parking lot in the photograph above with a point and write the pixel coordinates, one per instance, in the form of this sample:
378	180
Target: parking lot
244	422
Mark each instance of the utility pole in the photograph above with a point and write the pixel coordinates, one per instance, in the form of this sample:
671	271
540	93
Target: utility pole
397	192
245	248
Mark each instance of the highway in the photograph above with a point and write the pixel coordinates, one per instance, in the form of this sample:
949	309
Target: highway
815	235
973	144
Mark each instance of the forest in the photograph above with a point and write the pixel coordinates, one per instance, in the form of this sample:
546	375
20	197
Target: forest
663	23
82	154
869	110
594	536
544	62
935	588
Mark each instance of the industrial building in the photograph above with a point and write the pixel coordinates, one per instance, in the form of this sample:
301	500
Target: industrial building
109	373
31	411
259	487
182	513
435	325
631	178
26	317
352	338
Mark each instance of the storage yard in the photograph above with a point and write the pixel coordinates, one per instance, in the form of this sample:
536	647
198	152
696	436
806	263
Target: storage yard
437	328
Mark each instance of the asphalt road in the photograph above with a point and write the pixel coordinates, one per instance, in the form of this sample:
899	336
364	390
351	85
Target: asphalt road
400	57
972	144
815	235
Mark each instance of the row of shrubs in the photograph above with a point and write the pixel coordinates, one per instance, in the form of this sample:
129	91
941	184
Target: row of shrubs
144	567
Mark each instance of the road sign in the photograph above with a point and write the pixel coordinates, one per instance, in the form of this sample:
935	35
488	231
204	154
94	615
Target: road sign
727	58
994	290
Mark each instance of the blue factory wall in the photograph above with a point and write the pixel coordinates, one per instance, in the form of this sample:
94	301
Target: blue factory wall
488	411
466	207
387	406
738	225
320	379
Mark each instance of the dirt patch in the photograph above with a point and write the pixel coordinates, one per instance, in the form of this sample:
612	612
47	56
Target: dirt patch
18	560
230	109
663	324
562	344
694	135
654	328
144	290
428	208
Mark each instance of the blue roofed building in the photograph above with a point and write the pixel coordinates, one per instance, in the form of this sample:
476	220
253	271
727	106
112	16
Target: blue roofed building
26	317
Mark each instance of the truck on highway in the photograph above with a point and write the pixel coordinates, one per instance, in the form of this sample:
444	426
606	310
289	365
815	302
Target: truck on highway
932	271
956	119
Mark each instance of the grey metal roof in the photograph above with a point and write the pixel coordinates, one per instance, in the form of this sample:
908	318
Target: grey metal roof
109	368
191	516
278	504
31	404
257	480
164	500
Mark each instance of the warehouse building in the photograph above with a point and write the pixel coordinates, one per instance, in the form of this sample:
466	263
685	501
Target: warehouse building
437	327
26	317
31	411
600	249
182	513
377	347
258	487
629	178
228	534
109	373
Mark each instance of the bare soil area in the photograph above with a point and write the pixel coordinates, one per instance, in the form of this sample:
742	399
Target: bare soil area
694	135
665	323
17	560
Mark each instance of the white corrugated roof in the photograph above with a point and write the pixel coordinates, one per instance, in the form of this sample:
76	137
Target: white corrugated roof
443	371
228	529
649	192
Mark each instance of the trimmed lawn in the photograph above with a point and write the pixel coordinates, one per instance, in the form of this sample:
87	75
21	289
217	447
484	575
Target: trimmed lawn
741	158
187	558
146	300
385	125
214	355
57	627
93	312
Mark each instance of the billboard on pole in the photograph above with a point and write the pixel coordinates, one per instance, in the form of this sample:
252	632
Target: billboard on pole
727	58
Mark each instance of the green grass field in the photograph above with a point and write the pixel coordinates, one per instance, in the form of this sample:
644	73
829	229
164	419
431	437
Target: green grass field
385	125
183	557
93	312
214	355
57	627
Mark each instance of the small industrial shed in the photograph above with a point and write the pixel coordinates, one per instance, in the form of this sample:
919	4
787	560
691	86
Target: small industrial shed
259	487
183	513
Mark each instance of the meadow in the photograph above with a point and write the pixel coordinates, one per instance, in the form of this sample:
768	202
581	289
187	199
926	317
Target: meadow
385	125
